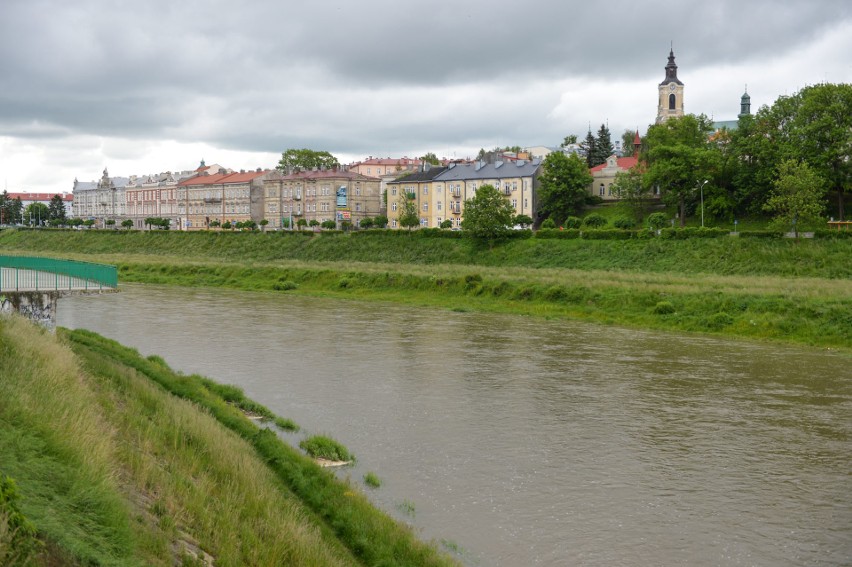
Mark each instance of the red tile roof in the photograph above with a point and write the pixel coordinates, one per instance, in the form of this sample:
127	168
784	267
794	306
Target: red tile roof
622	163
223	178
40	196
326	174
388	161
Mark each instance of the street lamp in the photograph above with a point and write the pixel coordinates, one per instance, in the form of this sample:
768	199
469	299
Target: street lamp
701	188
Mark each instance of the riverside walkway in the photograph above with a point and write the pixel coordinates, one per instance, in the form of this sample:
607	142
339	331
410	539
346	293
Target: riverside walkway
32	286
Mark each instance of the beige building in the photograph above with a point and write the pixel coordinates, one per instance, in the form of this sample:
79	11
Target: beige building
670	101
377	167
442	197
604	174
322	195
222	196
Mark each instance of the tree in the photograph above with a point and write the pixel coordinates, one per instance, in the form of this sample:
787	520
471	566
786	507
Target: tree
366	223
328	224
446	223
381	221
56	209
564	183
10	209
569	140
127	223
823	131
627	139
488	215
588	148
408	217
797	197
431	158
812	125
631	191
313	223
522	220
36	214
263	223
603	146
306	159
679	157
301	223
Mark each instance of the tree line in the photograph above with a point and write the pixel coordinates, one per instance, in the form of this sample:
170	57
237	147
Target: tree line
789	162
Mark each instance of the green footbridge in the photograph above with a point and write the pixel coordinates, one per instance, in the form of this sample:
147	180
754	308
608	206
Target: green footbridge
31	286
32	273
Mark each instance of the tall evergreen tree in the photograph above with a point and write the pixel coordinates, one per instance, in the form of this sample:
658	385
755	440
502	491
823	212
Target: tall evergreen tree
588	147
603	146
56	208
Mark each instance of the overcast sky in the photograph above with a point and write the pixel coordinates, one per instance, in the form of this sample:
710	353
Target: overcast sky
149	86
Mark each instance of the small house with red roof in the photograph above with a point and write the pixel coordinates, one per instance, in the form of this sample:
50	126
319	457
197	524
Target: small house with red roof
604	174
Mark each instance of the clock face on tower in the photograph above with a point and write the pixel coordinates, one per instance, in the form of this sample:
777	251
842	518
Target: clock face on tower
672	86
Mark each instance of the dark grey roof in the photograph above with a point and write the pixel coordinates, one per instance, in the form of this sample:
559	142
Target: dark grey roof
428	175
498	170
671	71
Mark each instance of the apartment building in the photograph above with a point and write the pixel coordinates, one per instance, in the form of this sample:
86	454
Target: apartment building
100	201
442	197
222	196
418	187
319	195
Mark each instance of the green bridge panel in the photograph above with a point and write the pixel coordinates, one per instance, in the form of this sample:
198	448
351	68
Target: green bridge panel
32	272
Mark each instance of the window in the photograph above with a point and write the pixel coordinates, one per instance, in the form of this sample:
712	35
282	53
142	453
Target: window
424	222
393	191
438	205
357	206
671	102
393	223
514	203
425	207
601	190
425	190
393	206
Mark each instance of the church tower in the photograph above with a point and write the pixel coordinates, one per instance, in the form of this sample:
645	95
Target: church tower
745	104
671	93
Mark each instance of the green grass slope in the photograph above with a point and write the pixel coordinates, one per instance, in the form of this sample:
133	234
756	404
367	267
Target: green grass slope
113	469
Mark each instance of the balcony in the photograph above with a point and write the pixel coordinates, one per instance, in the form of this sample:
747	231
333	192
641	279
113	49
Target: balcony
297	197
455	194
411	196
213	200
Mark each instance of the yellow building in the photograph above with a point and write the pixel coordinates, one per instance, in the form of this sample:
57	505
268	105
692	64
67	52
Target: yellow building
441	196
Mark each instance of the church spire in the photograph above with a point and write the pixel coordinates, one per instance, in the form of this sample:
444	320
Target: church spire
671	70
745	104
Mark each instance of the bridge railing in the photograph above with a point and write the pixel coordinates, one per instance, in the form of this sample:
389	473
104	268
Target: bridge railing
34	273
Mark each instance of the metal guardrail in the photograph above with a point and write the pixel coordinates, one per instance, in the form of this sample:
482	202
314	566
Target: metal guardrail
31	273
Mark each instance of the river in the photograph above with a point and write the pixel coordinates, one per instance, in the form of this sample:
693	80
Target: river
521	441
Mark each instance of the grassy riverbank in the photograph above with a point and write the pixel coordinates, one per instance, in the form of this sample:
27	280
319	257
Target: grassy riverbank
767	288
120	461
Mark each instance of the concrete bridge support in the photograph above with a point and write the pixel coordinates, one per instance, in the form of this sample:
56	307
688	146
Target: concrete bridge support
37	306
